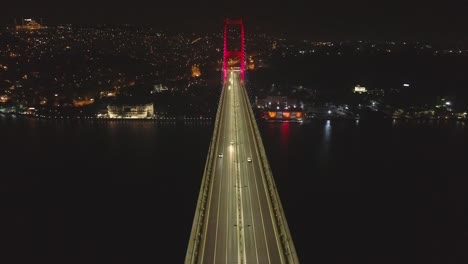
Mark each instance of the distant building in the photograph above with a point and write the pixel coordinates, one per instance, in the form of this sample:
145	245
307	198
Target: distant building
196	71
281	109
278	101
109	93
131	110
78	102
360	89
283	116
28	24
251	64
5	109
157	88
446	102
4	98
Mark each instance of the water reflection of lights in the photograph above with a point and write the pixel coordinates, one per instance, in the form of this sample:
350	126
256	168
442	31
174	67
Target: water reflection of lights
325	145
327	130
285	131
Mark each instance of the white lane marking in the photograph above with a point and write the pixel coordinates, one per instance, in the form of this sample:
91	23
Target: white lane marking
265	186
205	232
219	200
234	179
251	203
217	217
241	223
230	184
259	205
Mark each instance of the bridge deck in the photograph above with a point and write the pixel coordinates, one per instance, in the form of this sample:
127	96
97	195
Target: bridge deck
239	220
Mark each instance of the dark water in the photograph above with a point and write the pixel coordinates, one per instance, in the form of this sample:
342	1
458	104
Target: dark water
374	192
125	192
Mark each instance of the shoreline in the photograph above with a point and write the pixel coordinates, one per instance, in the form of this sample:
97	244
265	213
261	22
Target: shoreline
167	119
193	119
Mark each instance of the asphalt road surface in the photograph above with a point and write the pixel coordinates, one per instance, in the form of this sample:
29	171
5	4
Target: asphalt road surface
239	218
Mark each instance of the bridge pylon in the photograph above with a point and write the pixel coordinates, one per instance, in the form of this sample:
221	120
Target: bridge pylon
227	54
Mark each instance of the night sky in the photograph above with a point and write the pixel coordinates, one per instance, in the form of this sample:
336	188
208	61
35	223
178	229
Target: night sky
319	20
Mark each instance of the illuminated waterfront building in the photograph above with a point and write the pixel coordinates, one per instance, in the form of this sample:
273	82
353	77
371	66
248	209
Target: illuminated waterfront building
360	89
131	111
281	109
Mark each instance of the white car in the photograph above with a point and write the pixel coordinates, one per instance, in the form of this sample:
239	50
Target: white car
220	155
232	142
249	159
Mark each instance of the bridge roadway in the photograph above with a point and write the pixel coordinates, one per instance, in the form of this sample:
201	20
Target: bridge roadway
238	219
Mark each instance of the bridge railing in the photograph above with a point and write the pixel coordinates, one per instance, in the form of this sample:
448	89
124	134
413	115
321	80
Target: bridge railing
280	219
191	256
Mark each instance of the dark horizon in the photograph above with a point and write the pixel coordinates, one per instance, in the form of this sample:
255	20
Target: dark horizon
323	21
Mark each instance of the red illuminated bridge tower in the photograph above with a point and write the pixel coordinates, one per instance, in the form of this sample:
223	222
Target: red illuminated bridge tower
230	57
